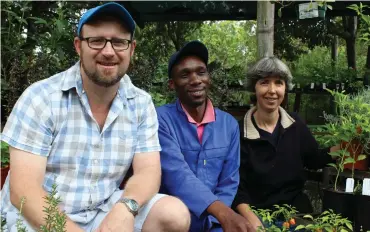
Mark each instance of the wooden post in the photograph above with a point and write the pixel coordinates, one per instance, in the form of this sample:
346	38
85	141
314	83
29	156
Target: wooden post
265	28
367	68
350	27
334	50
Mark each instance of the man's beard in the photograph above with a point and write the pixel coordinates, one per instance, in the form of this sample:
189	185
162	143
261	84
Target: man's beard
98	80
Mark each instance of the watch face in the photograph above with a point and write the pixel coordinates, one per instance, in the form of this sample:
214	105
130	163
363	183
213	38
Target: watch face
133	205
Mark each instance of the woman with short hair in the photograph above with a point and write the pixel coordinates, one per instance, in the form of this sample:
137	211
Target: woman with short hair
276	145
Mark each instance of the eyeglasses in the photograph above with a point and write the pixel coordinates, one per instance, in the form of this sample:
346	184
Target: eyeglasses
99	43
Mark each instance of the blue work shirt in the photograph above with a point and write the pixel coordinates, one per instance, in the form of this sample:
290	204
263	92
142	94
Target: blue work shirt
199	173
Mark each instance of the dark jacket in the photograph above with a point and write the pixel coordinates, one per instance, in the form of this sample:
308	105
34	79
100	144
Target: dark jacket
275	174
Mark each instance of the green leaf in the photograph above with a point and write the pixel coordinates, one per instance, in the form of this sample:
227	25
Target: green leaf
300	227
279	12
349	160
325	218
333	165
60	25
329	7
310	5
39	20
353	7
349	226
11	13
335	154
361	157
21	20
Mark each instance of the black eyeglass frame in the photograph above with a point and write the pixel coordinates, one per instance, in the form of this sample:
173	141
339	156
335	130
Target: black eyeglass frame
87	39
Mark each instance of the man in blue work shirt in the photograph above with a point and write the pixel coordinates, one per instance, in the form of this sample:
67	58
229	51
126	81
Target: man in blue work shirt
200	146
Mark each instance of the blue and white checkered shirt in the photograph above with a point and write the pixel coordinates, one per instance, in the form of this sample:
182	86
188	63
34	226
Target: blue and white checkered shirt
53	118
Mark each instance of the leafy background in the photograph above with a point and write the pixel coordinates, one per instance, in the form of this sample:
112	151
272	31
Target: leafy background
37	42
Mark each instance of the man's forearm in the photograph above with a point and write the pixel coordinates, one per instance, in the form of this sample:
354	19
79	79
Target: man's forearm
142	186
219	210
33	208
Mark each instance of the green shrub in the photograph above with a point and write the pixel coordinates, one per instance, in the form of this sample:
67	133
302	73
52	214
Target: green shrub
5	157
55	221
316	66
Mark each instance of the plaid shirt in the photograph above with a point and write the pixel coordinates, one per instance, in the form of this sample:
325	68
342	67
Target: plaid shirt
53	118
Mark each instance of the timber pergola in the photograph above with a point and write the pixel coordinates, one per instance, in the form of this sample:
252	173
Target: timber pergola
163	11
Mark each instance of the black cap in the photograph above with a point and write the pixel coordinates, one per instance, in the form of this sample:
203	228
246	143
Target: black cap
195	48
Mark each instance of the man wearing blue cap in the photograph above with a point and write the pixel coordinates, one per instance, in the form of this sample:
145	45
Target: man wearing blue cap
82	129
200	146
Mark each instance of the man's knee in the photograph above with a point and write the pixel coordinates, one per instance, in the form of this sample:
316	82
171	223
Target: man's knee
174	215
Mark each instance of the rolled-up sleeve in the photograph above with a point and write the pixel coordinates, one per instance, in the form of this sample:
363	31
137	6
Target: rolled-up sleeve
30	126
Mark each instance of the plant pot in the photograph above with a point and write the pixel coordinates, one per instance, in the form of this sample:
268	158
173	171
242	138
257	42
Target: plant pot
340	202
362	165
362	213
322	11
355	208
4	174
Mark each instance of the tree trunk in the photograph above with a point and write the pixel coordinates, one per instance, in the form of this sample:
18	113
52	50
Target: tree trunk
367	65
350	26
351	53
334	50
265	28
367	70
297	102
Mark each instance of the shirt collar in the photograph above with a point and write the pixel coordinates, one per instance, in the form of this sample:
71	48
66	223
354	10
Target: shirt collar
126	88
72	79
251	132
209	115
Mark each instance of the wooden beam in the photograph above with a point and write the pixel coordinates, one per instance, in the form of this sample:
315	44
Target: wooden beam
265	29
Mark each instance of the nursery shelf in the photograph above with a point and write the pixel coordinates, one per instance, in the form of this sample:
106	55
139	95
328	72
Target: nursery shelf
329	174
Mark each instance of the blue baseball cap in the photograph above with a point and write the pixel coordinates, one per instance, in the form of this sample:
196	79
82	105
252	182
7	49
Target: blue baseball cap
195	48
110	8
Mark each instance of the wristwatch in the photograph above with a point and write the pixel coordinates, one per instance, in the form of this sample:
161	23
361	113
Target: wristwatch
131	205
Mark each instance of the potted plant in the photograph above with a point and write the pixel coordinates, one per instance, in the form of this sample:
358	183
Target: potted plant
278	220
5	162
285	215
350	128
327	221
